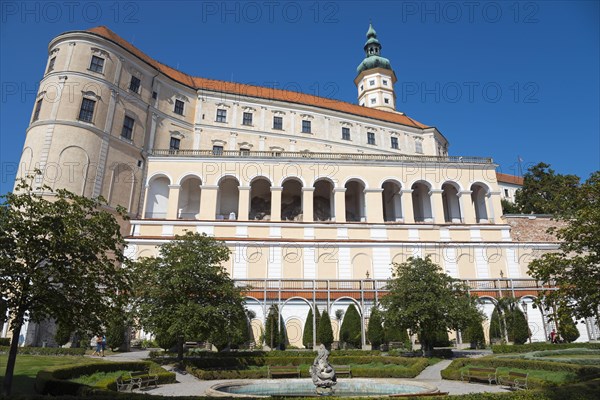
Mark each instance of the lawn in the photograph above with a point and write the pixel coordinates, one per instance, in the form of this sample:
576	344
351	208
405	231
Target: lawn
27	367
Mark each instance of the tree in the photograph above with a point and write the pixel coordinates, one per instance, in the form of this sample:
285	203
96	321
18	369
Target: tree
307	334
397	334
186	292
115	331
375	332
544	191
63	333
508	207
275	337
422	298
567	329
508	322
474	334
59	259
325	332
350	332
574	270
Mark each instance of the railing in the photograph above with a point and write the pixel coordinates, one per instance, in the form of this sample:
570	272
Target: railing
321	156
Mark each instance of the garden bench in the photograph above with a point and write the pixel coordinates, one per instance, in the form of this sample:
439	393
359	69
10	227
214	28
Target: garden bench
283	370
514	380
143	378
438	393
125	384
485	374
342	370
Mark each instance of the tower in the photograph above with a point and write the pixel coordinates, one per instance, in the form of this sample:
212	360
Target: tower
376	78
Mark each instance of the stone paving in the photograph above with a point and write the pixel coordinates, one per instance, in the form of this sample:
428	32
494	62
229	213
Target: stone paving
188	385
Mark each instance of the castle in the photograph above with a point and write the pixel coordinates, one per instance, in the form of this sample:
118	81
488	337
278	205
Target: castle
315	197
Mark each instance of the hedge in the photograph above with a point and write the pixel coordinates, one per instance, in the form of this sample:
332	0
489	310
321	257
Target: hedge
202	353
526	348
545	355
55	381
46	351
4	341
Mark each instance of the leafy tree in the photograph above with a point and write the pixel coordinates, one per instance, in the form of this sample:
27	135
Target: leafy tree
375	332
350	332
567	329
307	335
186	292
437	338
508	207
424	299
237	334
59	259
518	330
508	322
544	191
63	333
317	317
165	340
474	334
115	332
325	332
574	270
397	334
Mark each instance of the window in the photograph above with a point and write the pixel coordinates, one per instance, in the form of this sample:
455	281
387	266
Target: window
505	192
86	113
386	100
217	150
373	100
372	82
134	85
36	113
394	142
305	126
244	152
247	118
346	133
361	88
51	64
97	64
278	123
174	144
221	115
385	82
418	146
127	132
178	107
370	138
154	95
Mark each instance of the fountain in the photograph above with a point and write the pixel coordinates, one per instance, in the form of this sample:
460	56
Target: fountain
323	381
322	373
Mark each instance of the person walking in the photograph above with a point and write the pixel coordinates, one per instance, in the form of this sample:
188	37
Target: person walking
98	345
103	344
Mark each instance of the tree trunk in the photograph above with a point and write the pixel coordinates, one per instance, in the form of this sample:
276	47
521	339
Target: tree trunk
12	358
180	349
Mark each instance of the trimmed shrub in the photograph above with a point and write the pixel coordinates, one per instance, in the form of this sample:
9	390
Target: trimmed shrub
325	332
568	331
307	334
526	348
350	332
375	332
275	338
46	351
115	333
474	334
4	342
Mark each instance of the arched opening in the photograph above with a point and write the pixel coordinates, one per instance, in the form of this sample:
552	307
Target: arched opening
478	198
355	201
421	202
158	198
451	203
323	201
228	198
188	206
260	200
392	205
291	200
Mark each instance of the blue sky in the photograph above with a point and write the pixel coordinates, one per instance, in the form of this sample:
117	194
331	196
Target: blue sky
500	79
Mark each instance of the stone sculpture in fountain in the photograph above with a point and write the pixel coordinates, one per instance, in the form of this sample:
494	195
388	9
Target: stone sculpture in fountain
322	373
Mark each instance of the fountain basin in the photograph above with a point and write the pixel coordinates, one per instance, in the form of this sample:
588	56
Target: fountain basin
355	387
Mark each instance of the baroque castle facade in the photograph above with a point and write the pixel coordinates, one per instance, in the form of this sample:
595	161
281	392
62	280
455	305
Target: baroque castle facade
315	197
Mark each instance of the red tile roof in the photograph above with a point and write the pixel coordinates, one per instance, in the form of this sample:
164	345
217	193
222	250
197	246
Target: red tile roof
515	180
256	91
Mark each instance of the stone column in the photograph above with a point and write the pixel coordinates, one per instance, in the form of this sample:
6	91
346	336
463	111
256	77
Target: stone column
467	210
244	203
494	205
407	206
340	204
276	203
374	205
307	204
172	211
437	205
208	201
145	205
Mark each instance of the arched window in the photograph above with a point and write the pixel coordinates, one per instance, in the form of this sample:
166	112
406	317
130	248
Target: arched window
478	198
189	198
421	202
355	201
228	198
260	199
392	205
291	200
451	203
323	201
158	198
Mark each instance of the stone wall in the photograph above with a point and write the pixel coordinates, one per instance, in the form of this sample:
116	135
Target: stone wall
532	228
